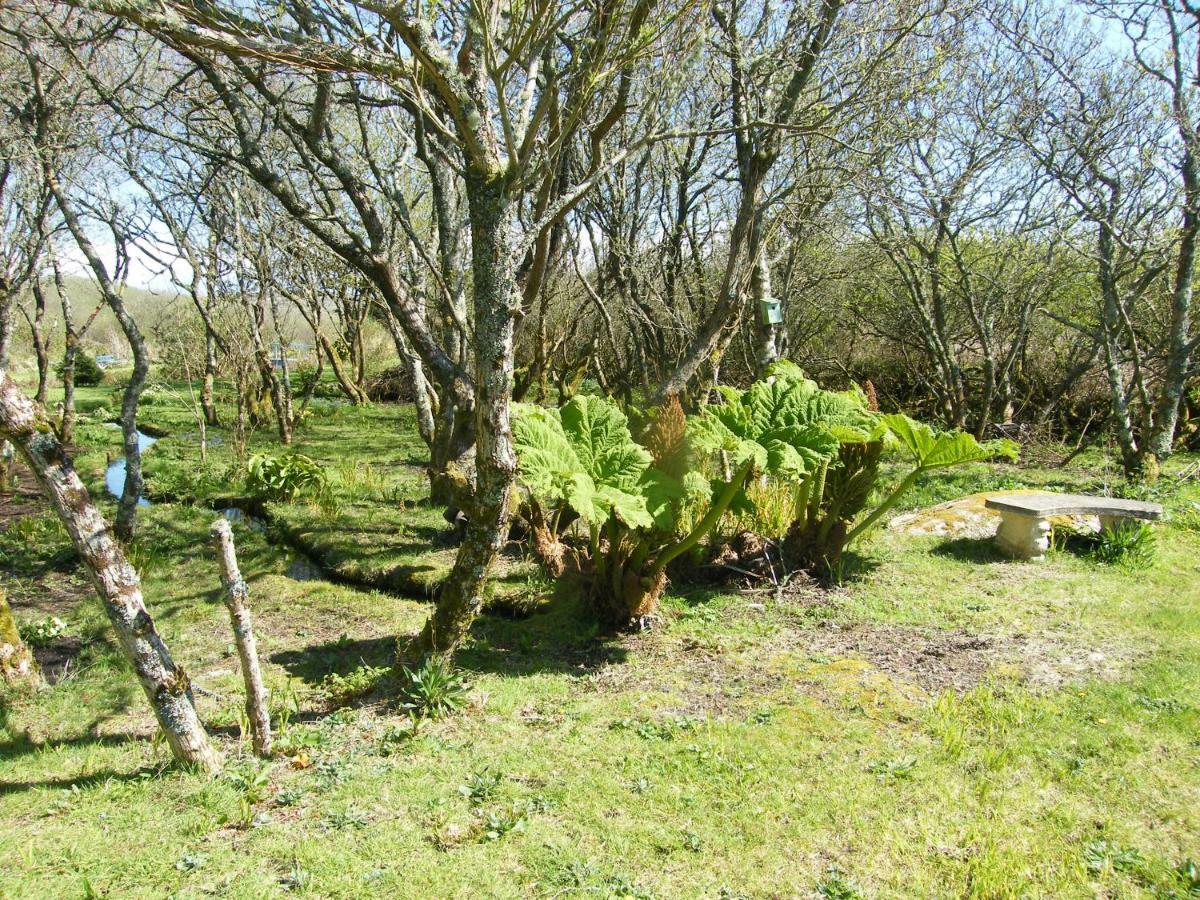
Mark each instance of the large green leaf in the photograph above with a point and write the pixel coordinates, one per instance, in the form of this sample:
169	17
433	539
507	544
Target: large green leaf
599	435
546	460
933	450
661	493
766	426
794	452
584	456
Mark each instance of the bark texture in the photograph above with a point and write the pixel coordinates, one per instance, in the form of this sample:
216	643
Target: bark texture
166	684
237	601
495	299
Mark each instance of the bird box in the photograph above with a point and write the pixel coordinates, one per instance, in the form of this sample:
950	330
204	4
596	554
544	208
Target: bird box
772	311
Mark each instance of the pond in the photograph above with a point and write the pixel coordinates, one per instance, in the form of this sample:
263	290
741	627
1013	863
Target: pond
114	476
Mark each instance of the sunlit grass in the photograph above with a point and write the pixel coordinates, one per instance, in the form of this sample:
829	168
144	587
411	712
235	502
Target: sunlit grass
745	747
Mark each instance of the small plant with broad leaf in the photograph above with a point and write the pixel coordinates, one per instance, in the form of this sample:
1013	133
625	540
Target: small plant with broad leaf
285	477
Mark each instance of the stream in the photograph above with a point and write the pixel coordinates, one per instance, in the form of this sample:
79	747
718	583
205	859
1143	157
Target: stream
114	476
300	567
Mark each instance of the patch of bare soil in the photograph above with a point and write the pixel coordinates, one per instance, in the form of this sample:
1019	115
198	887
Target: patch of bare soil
711	680
936	660
940	660
53	594
24	500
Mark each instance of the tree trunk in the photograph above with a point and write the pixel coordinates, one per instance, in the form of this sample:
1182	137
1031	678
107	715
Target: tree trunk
165	683
352	391
496	299
40	341
1110	324
1179	352
760	291
132	491
237	597
210	377
17	665
715	334
6	321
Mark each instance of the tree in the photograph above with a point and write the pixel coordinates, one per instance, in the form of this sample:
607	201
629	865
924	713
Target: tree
165	684
519	104
1092	123
803	77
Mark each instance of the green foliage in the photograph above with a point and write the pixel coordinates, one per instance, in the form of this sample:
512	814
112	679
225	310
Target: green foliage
928	449
87	372
353	685
285	477
481	785
834	885
433	689
821	451
582	464
1188	518
1130	545
43	632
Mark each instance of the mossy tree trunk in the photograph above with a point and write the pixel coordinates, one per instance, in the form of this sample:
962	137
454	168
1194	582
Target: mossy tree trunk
17	665
166	685
493	267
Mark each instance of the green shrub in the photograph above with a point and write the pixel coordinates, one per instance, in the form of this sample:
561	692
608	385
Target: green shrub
643	508
87	372
830	499
353	685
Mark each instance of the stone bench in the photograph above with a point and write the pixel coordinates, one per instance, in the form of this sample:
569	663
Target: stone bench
1024	531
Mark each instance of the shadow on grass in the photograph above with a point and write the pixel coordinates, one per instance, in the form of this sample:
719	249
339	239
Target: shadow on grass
22	745
972	550
313	664
80	781
560	638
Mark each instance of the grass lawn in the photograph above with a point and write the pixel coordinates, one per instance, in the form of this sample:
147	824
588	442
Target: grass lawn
943	724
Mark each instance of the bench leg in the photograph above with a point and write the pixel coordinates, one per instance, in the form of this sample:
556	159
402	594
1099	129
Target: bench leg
1023	537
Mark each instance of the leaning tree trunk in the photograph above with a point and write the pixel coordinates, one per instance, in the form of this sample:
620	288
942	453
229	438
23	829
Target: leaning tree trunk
237	597
493	266
165	683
